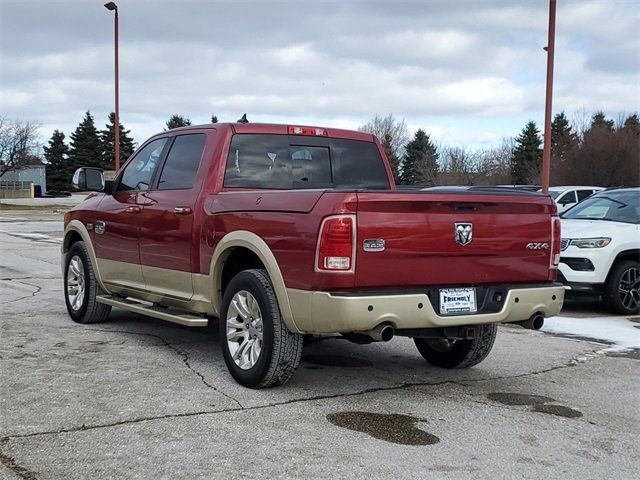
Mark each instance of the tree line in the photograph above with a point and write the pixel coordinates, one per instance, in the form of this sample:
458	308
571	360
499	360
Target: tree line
87	147
590	150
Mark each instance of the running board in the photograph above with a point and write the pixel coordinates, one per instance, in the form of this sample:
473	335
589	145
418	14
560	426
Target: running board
167	314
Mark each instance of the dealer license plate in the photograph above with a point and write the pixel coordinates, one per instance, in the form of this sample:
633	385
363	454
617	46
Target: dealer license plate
456	301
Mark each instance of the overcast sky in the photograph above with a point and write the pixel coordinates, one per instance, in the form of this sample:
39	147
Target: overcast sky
467	71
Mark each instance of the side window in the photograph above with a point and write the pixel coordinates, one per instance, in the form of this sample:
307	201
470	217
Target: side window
582	194
180	168
567	198
138	173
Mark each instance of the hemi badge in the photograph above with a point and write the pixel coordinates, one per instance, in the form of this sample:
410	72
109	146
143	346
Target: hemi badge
373	245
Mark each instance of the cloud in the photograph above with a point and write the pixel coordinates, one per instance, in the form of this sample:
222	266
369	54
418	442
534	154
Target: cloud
469	71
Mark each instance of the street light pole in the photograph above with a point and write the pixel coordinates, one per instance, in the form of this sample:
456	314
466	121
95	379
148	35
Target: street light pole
116	141
546	152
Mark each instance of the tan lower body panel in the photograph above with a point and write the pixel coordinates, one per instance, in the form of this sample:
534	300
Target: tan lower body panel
167	287
321	312
121	274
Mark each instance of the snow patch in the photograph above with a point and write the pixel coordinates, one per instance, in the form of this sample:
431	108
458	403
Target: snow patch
619	333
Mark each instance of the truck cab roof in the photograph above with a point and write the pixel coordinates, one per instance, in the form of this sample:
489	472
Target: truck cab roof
282	129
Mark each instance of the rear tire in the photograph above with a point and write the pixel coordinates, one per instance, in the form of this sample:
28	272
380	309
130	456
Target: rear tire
81	287
458	353
257	346
622	292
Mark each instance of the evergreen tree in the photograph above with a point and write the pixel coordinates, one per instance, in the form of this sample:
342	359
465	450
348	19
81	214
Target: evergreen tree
394	160
177	121
214	119
564	143
632	124
527	156
58	170
599	121
628	141
85	148
420	163
107	141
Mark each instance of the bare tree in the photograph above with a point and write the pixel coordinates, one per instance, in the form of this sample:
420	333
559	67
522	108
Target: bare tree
496	163
580	122
390	127
461	166
19	142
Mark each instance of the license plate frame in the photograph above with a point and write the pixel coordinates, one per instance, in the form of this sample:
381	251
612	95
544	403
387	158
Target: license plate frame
458	301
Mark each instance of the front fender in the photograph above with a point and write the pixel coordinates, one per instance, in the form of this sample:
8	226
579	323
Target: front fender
76	226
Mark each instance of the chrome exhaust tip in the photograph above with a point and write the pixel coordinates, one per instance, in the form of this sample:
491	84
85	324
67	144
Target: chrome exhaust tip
535	322
382	333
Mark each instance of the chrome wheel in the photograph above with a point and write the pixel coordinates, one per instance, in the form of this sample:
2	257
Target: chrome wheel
75	283
244	329
629	288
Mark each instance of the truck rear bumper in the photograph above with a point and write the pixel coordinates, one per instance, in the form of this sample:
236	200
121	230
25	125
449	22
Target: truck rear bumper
323	312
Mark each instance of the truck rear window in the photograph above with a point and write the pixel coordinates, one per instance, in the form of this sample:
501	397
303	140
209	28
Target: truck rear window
294	162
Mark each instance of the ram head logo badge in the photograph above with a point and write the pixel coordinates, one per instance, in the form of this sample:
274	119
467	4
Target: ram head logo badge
463	233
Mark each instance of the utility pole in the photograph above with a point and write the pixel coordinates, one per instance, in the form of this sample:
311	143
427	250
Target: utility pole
546	152
113	7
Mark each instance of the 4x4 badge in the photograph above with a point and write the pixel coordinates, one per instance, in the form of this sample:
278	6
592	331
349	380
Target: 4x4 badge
463	233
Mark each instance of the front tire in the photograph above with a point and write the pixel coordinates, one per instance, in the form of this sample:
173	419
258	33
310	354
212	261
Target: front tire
622	292
445	353
81	287
258	348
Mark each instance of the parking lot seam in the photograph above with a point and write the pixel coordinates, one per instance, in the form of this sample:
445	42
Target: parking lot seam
277	404
463	383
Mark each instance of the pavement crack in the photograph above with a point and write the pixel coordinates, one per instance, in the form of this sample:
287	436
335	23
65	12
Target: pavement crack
16	279
10	463
402	386
570	364
84	427
183	355
37	290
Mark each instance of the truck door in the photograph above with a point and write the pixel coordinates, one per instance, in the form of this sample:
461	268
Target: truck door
117	224
168	241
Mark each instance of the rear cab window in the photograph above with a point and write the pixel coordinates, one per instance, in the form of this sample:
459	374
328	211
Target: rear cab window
292	162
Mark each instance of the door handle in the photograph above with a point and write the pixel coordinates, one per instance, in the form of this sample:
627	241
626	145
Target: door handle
133	209
182	210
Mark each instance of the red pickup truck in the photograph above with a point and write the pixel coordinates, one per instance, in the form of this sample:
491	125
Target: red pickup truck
280	231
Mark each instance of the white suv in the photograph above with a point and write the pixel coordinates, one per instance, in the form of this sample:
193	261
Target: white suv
567	197
600	249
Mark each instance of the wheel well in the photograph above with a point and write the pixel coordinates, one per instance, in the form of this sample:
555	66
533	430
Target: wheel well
239	259
71	238
633	255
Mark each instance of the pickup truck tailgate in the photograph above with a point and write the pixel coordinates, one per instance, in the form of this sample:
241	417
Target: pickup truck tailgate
510	243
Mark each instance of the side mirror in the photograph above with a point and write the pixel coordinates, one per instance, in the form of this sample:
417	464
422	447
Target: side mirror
88	178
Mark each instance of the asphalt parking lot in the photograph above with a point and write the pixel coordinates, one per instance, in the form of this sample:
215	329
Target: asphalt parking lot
140	398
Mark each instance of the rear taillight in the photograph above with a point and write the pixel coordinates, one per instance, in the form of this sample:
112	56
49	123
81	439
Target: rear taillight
556	241
336	244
